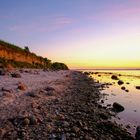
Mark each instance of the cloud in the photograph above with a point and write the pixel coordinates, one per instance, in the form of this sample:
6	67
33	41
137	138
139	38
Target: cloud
117	13
43	24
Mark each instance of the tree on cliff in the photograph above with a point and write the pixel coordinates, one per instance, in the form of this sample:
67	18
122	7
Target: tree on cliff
26	48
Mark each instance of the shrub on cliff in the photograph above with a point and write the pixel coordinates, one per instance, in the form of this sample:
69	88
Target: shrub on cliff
59	66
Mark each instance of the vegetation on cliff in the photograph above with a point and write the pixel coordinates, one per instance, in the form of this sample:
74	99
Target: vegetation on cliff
18	57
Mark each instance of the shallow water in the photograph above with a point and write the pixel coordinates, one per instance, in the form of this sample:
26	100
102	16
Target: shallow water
129	99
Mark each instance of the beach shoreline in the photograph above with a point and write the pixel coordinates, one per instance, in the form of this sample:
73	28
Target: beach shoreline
54	105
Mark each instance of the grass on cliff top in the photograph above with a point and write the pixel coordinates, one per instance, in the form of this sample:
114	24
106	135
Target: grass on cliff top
9	45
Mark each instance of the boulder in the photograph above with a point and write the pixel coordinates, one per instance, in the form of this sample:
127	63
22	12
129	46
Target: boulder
137	87
123	88
114	77
118	107
120	82
137	135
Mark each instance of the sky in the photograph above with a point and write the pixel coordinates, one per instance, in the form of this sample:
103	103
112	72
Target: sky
80	33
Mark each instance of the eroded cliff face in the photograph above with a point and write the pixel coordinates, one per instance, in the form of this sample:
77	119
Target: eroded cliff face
19	55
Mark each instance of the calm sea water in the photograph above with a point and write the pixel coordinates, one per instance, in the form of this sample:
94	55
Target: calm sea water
113	93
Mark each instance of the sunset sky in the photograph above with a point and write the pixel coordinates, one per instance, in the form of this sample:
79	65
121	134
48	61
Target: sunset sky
80	33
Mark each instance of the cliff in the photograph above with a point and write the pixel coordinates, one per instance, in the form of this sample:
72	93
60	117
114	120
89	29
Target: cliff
19	57
11	52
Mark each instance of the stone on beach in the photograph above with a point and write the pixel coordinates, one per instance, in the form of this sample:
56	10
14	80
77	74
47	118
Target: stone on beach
120	82
26	121
123	88
138	87
21	86
2	72
114	77
6	89
86	73
32	94
16	75
137	135
118	107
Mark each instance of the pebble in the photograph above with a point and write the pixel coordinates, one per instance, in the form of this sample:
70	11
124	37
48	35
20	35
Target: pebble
16	75
21	86
75	129
66	124
2	132
33	120
26	121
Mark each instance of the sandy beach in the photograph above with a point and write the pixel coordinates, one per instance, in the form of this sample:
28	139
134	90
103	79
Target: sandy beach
55	105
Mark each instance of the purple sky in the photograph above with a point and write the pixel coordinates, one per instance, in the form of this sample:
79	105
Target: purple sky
80	33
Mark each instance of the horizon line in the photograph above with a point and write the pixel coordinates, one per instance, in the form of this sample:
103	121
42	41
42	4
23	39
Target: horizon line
105	68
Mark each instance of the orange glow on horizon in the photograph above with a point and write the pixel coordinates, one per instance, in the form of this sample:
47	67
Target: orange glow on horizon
108	52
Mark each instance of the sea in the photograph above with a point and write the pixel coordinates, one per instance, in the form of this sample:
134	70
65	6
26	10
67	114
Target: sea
128	97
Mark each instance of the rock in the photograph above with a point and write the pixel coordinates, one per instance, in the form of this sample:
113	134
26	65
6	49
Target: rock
16	75
128	126
126	90
66	124
114	77
26	121
75	129
21	86
32	94
137	87
52	137
2	132
137	135
63	137
102	101
5	89
79	123
118	107
88	138
49	88
86	73
108	105
33	120
85	128
123	88
49	91
120	82
103	116
2	72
